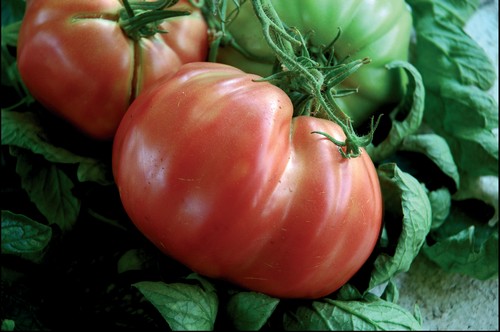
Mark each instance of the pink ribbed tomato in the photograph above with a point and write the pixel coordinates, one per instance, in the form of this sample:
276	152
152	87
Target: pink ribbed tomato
212	168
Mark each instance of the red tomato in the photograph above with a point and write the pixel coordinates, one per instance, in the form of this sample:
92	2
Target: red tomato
77	61
212	168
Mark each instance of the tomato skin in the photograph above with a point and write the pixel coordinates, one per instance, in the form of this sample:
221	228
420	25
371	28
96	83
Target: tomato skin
213	170
377	29
75	59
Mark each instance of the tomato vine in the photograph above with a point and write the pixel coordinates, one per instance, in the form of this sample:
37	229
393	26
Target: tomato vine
310	76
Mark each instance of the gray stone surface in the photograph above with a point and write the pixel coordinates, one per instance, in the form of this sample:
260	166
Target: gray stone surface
451	301
447	301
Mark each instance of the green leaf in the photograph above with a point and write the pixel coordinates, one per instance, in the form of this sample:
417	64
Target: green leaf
436	149
457	74
440	200
464	107
454	55
23	129
391	292
23	236
460	98
464	245
48	187
12	11
249	311
475	151
12	14
458	11
10	73
10	34
411	110
407	221
8	325
368	314
348	292
184	306
466	117
133	259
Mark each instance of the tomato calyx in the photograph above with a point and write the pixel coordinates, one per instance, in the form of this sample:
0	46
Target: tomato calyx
309	80
141	19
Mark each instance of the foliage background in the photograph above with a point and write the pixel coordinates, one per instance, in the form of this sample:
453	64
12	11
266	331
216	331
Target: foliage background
452	301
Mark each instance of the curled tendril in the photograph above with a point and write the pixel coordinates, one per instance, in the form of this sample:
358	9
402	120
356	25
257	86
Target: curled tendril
311	82
350	148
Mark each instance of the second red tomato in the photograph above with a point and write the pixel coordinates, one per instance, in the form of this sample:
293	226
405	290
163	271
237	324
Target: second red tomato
76	59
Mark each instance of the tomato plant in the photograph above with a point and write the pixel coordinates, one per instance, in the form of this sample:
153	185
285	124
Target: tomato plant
379	30
212	168
87	60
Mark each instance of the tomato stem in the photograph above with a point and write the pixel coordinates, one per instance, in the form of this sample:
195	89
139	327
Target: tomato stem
309	82
141	19
218	19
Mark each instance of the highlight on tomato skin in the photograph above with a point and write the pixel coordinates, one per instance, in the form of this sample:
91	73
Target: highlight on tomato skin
212	168
77	60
